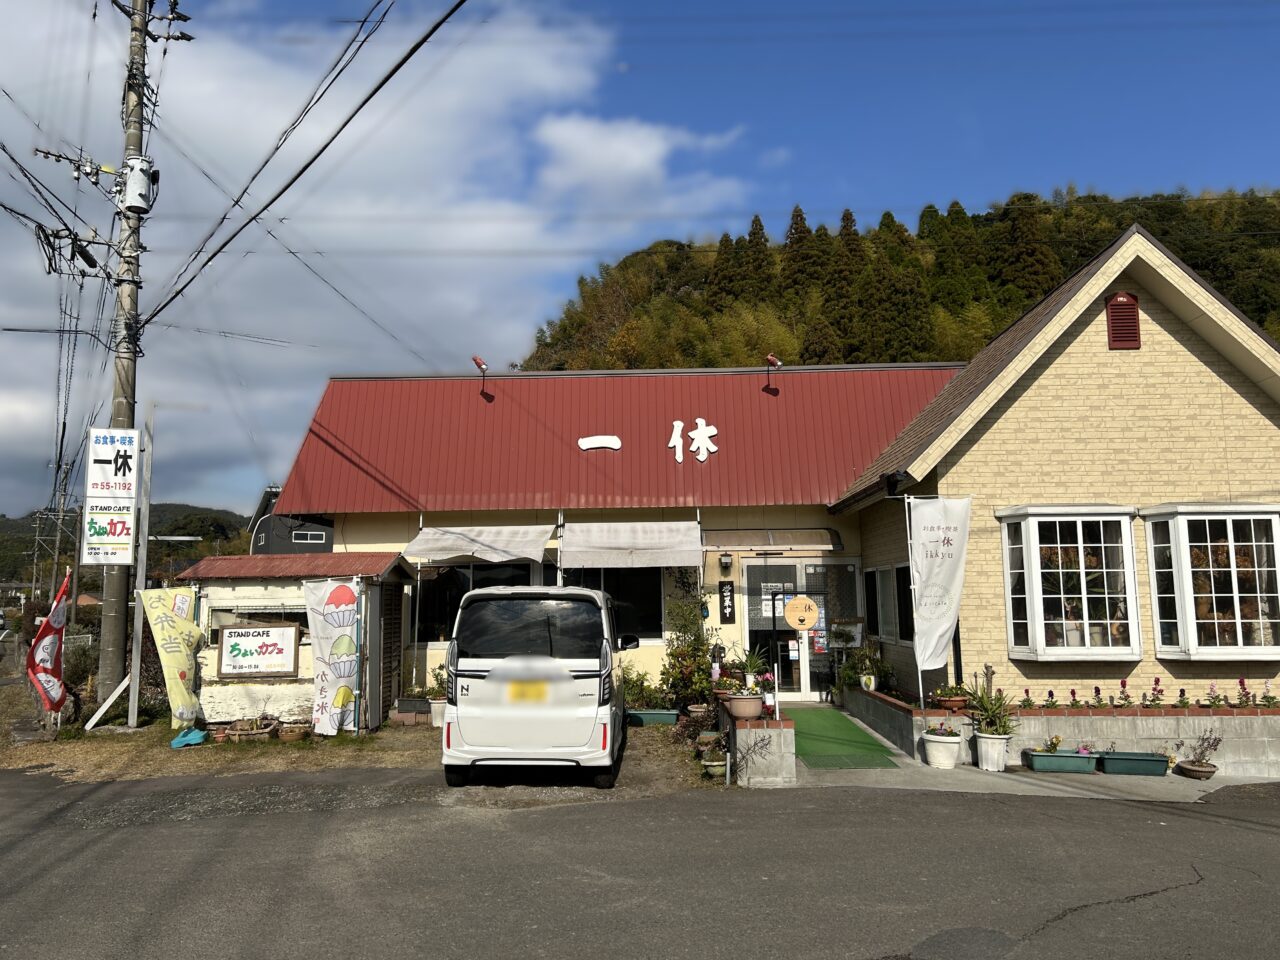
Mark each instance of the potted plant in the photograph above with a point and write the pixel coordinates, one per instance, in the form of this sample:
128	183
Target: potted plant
1197	766
993	725
437	690
746	703
753	664
646	704
942	745
1049	759
413	700
863	669
1133	763
951	697
714	762
253	729
293	732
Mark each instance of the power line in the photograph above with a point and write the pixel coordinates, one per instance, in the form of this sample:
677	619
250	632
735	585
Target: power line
316	155
335	70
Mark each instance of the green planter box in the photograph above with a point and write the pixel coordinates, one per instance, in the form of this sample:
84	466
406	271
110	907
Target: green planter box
1135	764
650	718
1061	762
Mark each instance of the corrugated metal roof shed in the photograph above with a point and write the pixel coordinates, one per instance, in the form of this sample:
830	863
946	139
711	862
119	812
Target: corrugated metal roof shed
291	566
439	443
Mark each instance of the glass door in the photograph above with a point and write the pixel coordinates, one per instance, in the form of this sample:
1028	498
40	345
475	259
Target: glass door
768	585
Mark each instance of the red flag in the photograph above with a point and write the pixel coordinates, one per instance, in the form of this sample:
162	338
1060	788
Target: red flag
44	659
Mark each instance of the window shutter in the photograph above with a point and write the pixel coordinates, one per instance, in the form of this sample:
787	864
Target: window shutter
1122	322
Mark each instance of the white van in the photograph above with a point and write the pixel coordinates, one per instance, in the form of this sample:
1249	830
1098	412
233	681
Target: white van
533	680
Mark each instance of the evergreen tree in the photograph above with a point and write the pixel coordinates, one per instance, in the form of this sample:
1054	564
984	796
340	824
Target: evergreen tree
724	285
894	323
1029	263
892	241
759	269
821	342
802	256
852	241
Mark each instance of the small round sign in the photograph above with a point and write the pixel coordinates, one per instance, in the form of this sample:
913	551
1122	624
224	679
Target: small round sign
801	613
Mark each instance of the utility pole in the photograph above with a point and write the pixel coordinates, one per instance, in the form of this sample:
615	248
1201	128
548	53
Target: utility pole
115	579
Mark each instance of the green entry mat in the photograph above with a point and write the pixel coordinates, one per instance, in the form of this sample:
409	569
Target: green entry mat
827	739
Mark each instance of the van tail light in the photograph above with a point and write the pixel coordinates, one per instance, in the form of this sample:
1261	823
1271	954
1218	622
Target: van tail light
448	735
451	675
606	676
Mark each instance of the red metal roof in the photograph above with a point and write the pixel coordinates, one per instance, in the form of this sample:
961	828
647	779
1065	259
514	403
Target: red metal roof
291	566
434	444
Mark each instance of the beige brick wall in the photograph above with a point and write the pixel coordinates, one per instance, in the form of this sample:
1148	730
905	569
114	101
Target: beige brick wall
1172	422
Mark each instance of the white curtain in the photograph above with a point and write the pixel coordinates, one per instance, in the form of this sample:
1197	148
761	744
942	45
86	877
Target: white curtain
938	536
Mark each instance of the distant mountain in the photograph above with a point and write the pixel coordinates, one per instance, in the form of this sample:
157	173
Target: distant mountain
223	531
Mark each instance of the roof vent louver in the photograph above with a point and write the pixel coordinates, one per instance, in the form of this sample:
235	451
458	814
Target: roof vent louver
1122	322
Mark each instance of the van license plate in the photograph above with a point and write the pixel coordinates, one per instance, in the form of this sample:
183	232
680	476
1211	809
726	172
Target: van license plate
527	691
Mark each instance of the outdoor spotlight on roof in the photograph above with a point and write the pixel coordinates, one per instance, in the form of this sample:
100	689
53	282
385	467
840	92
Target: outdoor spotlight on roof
483	368
771	363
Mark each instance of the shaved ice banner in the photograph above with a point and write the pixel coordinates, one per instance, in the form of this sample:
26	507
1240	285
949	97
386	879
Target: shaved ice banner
333	615
170	612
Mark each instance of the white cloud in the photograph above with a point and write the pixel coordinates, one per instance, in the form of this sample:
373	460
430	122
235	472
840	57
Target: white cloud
774	158
478	147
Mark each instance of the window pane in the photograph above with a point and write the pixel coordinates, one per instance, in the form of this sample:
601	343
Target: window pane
1053	608
590	578
1217	531
1168	634
1091	531
1048	532
1160	532
1112	532
1198	531
1168	608
501	575
1014	531
872	601
1017	584
1019	608
637	599
888	611
906	614
1022	638
1242	530
1164	581
1051	583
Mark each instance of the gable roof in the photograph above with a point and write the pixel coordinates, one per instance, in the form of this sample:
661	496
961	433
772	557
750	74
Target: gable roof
997	367
441	444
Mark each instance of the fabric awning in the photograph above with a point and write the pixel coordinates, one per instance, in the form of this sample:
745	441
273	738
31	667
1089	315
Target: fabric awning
675	543
821	538
495	544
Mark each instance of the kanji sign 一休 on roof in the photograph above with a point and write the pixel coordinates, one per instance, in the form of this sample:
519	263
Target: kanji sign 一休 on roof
110	497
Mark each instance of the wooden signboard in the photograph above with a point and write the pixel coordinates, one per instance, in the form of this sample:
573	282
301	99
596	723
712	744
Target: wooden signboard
245	652
801	613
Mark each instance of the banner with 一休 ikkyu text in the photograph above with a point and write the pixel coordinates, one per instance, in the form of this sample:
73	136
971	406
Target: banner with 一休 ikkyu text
333	617
171	613
937	537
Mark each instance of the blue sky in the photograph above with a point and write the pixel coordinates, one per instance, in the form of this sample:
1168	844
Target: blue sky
535	139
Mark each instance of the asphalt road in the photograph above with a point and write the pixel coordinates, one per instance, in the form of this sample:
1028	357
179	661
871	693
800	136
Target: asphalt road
392	864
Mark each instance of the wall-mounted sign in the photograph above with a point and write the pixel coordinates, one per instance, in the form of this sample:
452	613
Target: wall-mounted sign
728	603
110	497
257	652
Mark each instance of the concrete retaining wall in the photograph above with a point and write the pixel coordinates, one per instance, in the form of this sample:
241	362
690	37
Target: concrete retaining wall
1250	737
770	746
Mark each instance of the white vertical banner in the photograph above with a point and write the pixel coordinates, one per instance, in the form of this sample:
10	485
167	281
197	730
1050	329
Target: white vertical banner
938	535
333	617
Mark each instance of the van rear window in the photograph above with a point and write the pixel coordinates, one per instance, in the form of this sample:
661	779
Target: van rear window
530	626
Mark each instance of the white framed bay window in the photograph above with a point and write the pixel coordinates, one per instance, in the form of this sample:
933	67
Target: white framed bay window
1213	581
1069	582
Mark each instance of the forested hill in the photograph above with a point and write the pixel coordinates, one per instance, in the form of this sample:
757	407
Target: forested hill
890	295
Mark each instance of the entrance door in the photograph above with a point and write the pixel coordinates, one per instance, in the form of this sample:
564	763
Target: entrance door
769	584
806	668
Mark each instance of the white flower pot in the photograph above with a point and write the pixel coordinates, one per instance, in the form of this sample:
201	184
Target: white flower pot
993	749
942	752
868	681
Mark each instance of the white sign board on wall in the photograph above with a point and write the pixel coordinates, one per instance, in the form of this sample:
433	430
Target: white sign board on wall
110	497
257	652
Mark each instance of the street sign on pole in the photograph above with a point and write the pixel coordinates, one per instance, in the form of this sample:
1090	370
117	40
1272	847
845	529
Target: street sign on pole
110	497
